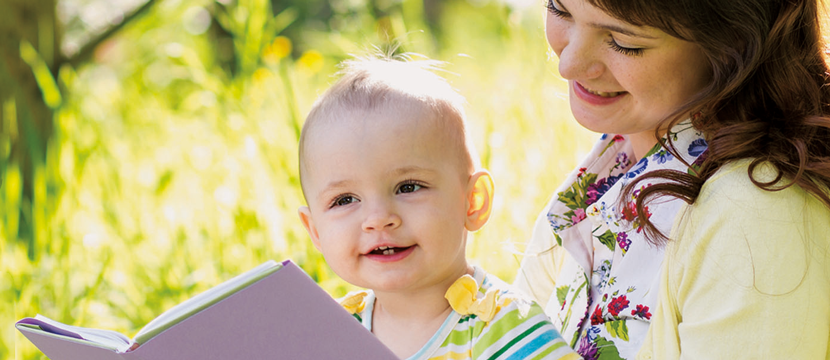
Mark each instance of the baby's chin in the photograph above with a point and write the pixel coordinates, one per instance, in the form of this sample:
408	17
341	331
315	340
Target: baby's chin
391	283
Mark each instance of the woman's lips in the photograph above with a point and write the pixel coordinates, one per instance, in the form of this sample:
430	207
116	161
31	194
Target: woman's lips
596	97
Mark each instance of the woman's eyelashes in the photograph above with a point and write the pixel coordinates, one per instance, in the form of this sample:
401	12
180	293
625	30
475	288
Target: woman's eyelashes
554	8
624	50
551	6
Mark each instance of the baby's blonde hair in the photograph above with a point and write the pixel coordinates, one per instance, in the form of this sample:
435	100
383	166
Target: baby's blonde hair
398	82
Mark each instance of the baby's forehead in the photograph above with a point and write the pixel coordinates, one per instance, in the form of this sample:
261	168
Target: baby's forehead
393	119
400	120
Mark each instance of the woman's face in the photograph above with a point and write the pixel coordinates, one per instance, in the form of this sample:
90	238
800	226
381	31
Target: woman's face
623	79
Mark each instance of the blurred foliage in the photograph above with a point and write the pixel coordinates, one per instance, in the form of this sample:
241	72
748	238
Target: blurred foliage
172	162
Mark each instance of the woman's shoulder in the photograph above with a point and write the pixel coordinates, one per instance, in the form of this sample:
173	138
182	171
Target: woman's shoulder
758	237
731	190
730	201
737	255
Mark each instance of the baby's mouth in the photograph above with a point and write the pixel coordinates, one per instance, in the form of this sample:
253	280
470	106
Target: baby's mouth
387	250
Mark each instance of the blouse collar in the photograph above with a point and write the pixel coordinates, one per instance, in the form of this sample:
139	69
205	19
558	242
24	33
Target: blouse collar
592	190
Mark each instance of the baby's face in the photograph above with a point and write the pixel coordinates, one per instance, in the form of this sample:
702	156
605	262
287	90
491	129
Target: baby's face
387	200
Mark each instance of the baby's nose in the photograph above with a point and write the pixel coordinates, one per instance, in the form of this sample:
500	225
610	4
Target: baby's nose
381	218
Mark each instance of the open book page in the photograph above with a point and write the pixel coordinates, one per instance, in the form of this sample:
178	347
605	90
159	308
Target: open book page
275	310
102	338
204	300
115	341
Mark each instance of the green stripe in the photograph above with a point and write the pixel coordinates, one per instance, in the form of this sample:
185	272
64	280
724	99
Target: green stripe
517	339
491	332
459	337
556	346
506	325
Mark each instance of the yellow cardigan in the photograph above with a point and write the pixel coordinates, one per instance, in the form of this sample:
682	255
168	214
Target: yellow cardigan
746	275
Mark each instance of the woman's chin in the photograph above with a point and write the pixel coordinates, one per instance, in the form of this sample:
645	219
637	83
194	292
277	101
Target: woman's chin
594	124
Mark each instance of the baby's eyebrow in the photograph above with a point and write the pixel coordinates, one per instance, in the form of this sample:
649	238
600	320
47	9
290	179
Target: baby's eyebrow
411	169
337	184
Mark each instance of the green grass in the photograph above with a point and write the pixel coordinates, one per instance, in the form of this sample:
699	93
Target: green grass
167	175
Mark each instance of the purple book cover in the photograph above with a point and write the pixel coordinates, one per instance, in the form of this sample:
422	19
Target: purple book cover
282	316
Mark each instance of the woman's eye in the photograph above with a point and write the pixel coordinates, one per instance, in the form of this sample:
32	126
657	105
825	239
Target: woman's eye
551	6
343	200
408	188
624	50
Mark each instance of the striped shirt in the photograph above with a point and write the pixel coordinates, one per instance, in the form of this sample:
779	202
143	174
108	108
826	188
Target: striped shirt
518	330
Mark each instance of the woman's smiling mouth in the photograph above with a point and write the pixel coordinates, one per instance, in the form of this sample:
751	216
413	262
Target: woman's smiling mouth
596	97
604	94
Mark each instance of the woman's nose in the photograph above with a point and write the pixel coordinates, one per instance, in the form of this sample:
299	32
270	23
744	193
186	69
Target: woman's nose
579	57
381	217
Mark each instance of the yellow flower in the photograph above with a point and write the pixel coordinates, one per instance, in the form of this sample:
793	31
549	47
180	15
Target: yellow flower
462	298
354	302
311	62
276	50
262	74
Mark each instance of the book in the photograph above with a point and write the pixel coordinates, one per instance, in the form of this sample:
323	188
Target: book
274	311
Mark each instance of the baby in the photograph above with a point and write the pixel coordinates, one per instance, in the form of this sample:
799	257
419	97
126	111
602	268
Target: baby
392	188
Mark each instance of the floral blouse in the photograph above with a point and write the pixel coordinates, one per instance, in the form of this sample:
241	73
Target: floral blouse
604	284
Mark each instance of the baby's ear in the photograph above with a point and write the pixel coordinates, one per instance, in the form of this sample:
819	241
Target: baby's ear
308	222
479	200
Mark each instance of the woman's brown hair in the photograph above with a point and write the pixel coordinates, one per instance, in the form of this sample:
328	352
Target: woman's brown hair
768	99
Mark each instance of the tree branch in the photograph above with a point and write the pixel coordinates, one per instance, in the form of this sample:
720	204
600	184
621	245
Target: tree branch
85	53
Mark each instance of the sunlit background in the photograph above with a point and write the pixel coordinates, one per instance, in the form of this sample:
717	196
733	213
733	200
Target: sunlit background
148	148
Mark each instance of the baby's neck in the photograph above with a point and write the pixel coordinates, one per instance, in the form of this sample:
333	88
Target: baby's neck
404	329
404	322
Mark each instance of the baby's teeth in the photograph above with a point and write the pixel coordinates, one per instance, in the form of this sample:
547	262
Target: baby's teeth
388	252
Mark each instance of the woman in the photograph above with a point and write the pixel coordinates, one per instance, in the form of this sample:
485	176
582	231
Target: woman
699	227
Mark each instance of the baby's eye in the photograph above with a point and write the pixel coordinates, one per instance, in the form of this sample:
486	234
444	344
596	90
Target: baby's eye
409	187
343	200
